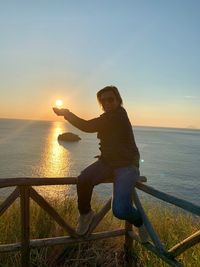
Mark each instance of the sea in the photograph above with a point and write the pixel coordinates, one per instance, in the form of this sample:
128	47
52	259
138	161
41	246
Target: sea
170	157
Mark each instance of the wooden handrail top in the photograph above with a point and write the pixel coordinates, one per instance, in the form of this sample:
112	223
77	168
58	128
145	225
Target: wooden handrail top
35	181
184	204
31	181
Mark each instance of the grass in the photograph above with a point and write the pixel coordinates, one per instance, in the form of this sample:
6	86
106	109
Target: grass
171	224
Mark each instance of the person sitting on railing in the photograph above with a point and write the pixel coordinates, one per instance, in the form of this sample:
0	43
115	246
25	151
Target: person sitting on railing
119	159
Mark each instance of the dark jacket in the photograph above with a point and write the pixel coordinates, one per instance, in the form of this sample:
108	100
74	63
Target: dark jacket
117	142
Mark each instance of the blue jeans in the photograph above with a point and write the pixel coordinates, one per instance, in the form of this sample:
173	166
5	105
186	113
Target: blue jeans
124	180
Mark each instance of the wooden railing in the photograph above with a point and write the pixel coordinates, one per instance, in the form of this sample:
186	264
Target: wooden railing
24	190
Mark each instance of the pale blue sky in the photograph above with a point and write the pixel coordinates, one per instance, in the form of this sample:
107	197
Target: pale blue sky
70	49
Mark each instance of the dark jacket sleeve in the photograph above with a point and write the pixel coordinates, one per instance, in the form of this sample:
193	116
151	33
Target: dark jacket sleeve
90	126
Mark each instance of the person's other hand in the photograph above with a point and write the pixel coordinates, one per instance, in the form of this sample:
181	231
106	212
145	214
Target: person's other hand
61	111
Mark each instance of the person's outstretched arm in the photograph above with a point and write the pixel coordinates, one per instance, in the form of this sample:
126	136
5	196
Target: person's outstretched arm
90	126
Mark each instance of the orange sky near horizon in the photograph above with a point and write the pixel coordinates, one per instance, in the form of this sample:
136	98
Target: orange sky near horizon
139	114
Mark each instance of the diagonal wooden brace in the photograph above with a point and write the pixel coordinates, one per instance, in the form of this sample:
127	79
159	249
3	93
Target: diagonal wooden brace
99	216
9	200
51	211
147	223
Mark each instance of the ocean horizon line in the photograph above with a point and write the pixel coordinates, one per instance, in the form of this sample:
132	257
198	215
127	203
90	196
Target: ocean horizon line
133	125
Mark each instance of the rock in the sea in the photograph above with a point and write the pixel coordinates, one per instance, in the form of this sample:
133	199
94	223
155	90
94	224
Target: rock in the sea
68	137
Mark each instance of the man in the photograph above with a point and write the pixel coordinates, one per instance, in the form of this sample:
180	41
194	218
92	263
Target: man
119	159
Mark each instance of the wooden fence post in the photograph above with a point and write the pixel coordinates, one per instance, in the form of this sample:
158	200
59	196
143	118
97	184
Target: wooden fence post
128	247
25	229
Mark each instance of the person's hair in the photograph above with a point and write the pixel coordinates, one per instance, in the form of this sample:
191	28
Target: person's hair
109	88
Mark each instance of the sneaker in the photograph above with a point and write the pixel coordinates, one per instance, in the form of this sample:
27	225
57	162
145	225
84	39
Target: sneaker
143	234
84	222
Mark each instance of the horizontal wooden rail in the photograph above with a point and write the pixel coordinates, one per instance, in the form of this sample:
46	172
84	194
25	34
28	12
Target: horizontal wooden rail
35	181
185	244
62	240
31	181
184	204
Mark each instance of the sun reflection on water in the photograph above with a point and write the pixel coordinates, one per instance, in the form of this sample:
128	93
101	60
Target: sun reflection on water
55	162
57	158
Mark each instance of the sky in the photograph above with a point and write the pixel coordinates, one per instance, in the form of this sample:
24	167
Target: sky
149	49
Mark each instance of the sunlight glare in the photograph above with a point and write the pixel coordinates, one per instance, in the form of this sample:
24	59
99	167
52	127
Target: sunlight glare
59	103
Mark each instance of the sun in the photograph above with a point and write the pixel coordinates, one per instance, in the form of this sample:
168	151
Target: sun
59	103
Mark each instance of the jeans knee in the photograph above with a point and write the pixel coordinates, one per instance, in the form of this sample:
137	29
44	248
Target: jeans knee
120	212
